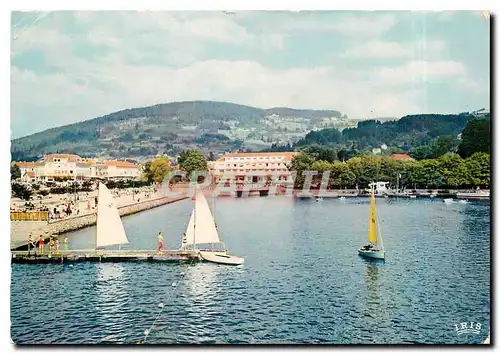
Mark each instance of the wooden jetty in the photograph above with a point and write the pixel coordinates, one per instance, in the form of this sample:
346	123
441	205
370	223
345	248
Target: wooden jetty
91	255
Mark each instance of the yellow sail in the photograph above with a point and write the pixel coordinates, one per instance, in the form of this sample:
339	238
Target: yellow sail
372	235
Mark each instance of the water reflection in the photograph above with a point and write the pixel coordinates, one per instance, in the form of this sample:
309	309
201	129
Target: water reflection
202	287
372	285
112	297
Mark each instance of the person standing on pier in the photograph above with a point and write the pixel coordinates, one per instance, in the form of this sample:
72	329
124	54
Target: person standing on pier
51	245
57	245
41	243
31	243
160	242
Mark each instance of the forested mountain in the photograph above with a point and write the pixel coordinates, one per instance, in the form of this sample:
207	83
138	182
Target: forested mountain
219	127
406	133
170	128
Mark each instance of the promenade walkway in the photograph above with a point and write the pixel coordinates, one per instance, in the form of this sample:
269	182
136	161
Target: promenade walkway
127	204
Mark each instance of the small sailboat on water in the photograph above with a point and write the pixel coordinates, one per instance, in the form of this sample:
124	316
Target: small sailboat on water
109	230
375	246
202	235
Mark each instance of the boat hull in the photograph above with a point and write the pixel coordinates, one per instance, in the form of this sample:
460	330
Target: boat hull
372	254
221	258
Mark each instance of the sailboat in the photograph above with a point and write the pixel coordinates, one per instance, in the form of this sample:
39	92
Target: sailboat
375	246
110	230
201	235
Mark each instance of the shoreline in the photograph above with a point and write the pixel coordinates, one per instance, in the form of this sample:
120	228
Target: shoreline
20	229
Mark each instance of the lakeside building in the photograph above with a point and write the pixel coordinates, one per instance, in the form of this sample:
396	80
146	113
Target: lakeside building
252	167
73	167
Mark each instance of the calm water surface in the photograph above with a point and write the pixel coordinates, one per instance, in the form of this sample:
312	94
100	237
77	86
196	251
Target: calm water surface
302	281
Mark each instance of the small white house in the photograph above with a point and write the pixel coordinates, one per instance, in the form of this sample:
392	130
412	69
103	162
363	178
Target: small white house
380	187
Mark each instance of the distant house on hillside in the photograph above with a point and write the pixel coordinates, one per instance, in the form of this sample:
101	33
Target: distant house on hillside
481	113
402	157
29	177
376	151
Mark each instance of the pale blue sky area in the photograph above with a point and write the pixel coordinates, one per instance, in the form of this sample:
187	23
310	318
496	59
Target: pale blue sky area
72	66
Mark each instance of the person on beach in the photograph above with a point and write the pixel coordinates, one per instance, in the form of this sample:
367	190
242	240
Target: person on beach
184	239
51	244
41	243
31	243
160	242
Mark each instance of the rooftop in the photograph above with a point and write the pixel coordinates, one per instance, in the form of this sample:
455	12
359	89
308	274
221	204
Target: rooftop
70	157
120	164
287	155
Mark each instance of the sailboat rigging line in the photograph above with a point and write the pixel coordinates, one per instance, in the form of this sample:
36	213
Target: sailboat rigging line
148	331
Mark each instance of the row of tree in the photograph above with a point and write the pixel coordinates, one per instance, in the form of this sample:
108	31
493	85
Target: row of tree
448	171
422	136
189	160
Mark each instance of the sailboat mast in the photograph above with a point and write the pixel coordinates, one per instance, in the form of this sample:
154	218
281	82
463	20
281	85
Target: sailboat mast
194	221
96	218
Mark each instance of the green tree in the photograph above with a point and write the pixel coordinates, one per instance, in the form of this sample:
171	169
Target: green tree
444	144
432	177
453	170
21	191
479	169
156	169
300	163
321	166
341	176
15	171
342	154
475	138
421	152
192	160
147	174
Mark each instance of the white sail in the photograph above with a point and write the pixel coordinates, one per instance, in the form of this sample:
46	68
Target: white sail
201	228
110	229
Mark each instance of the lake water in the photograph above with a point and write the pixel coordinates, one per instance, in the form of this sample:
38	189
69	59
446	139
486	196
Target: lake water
302	281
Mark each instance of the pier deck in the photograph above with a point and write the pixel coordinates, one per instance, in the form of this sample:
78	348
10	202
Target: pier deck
104	256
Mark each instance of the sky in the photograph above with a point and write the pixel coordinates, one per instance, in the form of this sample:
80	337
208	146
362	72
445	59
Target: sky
72	66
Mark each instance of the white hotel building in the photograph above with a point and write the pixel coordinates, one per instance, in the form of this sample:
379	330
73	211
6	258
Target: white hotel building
253	167
73	167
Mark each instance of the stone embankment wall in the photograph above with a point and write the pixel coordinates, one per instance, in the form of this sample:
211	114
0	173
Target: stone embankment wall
20	229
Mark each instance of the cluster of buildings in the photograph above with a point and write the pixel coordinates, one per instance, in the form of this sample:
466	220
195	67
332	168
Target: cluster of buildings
55	167
247	167
252	167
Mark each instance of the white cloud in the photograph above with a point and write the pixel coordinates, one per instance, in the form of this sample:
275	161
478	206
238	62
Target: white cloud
372	26
118	86
148	58
415	72
377	49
